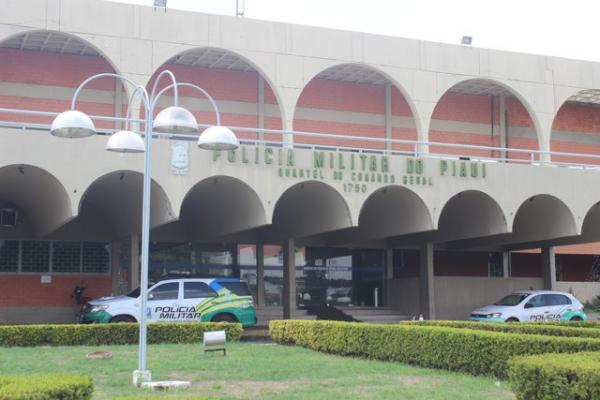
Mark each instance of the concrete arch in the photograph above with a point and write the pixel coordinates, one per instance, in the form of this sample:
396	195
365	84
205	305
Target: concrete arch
469	214
569	139
255	63
591	223
118	196
392	211
541	217
38	194
310	75
505	84
218	206
103	53
309	208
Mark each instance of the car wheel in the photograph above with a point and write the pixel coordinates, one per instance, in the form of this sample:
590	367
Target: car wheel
512	319
576	319
224	318
122	318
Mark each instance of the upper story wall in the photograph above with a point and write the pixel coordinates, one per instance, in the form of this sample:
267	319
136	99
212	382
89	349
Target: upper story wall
138	40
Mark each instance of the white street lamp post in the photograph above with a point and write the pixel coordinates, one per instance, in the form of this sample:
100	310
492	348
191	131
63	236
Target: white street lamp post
174	119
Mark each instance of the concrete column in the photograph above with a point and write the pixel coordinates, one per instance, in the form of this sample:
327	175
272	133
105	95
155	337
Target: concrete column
260	275
426	288
118	102
261	107
289	279
134	261
388	275
388	114
114	268
549	268
506	264
503	127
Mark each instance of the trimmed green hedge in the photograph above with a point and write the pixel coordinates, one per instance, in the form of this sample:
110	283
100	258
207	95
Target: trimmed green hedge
556	376
45	387
539	328
472	351
113	334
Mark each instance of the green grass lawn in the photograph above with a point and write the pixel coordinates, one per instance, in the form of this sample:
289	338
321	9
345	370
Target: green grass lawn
255	371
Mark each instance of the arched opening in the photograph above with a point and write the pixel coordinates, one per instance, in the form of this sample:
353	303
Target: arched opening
576	129
218	206
33	202
470	214
310	208
393	211
41	70
591	223
111	208
354	101
482	112
543	217
241	92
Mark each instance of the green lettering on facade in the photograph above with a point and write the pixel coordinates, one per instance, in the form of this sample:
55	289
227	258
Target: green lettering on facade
363	162
385	164
318	159
290	158
474	171
463	169
443	167
268	155
341	161
419	166
216	154
410	166
244	156
372	163
231	155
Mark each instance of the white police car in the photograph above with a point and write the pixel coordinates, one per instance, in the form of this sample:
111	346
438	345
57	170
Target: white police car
179	300
532	306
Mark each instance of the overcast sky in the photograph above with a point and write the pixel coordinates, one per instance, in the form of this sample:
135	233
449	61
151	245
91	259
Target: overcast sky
554	27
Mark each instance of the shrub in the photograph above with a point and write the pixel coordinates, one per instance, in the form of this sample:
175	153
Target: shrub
468	350
122	333
539	328
556	376
45	387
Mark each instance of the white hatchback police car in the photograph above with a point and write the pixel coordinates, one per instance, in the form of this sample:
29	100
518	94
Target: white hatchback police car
532	306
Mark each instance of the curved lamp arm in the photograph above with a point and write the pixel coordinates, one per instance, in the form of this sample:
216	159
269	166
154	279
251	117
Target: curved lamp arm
173	85
143	93
102	75
208	96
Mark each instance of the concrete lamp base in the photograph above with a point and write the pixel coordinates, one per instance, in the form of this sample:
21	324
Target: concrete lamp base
141	376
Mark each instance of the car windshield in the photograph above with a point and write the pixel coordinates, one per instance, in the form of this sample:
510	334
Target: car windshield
135	293
511	299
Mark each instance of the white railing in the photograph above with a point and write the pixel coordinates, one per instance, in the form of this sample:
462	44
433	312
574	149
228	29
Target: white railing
379	145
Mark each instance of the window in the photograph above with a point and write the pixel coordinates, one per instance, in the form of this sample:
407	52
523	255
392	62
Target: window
197	290
496	265
66	257
96	257
557	300
537	301
9	255
167	291
237	288
511	299
36	256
